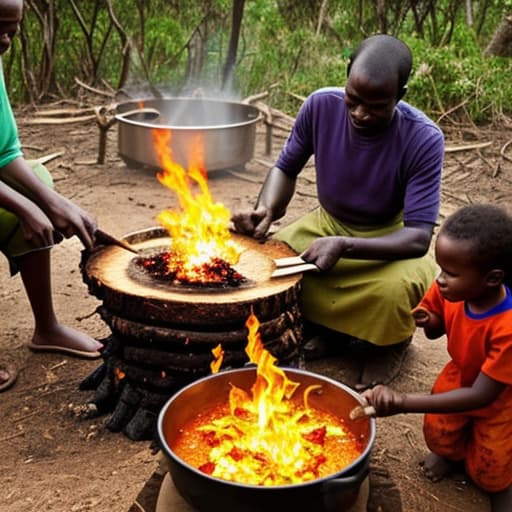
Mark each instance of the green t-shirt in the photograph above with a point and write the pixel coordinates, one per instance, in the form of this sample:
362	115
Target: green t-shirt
10	147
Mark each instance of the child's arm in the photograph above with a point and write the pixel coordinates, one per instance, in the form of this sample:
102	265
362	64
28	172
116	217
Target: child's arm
432	323
482	393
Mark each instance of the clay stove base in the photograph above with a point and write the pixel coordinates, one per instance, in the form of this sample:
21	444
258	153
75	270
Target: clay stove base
169	499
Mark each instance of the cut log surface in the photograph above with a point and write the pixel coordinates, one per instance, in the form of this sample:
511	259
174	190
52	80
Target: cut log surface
108	271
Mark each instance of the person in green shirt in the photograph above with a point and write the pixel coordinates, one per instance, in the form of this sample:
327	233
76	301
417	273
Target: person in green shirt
34	217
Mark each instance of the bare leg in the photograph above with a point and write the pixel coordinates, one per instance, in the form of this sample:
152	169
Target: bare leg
436	467
501	501
35	273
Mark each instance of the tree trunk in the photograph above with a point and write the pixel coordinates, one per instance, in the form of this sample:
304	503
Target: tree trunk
237	15
501	42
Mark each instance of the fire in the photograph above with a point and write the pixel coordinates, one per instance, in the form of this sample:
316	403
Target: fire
264	437
218	354
200	229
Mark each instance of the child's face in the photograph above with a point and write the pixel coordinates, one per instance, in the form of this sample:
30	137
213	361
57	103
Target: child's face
10	17
460	278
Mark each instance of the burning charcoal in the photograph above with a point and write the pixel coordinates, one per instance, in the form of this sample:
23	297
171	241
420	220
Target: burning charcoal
163	341
125	409
106	394
141	426
93	380
216	273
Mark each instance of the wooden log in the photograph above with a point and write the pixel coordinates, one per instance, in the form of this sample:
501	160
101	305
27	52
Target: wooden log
177	339
129	295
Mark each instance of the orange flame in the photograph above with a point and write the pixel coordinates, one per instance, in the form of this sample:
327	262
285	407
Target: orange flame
218	354
200	229
268	439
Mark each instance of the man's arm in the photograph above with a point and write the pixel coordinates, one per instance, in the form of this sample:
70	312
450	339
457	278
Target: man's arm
408	242
273	199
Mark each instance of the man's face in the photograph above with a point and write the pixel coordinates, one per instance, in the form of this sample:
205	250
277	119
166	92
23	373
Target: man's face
371	104
10	17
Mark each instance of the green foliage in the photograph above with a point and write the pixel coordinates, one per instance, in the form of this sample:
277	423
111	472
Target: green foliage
459	77
279	51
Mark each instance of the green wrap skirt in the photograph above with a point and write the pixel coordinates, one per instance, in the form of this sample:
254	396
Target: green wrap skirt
12	241
367	299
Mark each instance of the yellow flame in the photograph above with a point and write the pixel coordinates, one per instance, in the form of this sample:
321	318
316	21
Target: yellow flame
218	354
268	439
200	229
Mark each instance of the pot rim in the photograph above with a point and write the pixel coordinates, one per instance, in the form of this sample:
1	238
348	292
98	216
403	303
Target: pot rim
170	453
119	116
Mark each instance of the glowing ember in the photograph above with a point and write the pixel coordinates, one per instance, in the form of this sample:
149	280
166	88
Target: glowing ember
200	229
264	437
165	266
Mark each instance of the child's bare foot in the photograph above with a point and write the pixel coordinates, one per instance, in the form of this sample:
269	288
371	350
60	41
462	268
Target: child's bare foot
60	338
501	501
435	467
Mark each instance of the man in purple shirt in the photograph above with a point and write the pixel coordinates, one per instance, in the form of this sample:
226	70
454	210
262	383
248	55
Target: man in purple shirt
378	167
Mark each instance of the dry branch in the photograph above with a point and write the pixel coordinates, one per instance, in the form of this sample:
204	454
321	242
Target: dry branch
93	89
504	149
64	112
48	158
53	120
453	149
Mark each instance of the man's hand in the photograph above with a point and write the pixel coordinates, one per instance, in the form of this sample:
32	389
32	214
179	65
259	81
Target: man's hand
325	252
254	223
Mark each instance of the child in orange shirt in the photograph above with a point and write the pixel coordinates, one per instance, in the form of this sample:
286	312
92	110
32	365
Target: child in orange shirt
469	412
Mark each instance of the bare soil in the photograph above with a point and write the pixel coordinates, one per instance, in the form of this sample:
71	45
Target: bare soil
53	460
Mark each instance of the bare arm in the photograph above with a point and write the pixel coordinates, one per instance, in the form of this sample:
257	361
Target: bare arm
482	393
274	197
432	323
408	242
30	199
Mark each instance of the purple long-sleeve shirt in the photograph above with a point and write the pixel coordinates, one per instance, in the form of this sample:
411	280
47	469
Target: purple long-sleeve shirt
368	179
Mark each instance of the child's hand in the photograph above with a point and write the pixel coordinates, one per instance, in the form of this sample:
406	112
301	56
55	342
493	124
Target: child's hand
385	401
421	316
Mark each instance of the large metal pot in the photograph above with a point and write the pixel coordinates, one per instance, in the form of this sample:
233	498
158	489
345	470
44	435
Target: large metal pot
334	493
227	128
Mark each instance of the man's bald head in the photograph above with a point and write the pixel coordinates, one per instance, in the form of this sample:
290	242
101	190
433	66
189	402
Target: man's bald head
381	58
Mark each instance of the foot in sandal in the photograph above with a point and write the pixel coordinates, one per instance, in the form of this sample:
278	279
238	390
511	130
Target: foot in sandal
65	340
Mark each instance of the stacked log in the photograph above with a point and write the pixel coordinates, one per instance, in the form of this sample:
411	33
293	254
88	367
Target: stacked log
162	339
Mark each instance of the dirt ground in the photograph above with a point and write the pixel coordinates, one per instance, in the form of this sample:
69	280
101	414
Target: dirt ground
51	460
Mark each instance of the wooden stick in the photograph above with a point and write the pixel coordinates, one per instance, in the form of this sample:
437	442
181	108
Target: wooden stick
53	120
104	238
453	149
286	262
361	411
45	159
293	269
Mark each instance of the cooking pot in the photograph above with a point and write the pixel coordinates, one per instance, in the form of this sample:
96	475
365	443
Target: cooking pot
227	129
334	493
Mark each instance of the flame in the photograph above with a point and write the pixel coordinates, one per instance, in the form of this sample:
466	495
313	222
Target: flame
200	229
218	354
268	439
